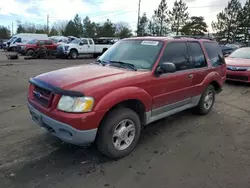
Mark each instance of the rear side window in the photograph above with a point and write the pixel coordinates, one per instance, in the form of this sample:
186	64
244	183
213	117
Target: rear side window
199	57
41	42
214	53
90	41
177	53
48	42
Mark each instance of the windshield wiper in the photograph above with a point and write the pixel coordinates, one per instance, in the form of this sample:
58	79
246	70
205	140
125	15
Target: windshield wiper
124	64
101	62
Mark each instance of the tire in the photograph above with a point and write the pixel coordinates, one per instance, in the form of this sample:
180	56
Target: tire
104	50
30	52
95	55
203	108
73	54
112	122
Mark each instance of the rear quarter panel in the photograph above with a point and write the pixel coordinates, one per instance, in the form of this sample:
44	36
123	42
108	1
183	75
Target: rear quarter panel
204	76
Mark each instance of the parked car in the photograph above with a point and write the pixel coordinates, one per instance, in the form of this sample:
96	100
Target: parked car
80	47
71	38
233	46
238	65
11	45
31	46
61	40
226	50
134	83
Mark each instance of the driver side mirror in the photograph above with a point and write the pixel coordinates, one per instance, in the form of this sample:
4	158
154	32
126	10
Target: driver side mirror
81	43
166	68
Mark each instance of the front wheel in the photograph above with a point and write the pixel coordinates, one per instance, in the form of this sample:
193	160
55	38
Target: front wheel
73	54
206	101
119	133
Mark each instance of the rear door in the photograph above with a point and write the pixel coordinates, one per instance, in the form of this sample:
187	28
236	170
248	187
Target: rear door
91	47
172	90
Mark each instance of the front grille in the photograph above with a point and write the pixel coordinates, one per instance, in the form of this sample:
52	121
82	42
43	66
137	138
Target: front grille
236	69
243	78
43	96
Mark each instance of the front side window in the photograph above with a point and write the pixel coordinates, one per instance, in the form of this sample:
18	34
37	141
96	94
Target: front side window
177	53
142	54
199	57
84	41
18	40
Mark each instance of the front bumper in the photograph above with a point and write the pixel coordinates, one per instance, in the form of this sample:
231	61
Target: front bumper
61	130
240	76
61	52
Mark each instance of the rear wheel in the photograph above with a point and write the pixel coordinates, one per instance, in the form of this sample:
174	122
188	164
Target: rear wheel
206	101
119	133
73	54
95	55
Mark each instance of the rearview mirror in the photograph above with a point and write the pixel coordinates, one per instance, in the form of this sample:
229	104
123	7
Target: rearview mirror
166	68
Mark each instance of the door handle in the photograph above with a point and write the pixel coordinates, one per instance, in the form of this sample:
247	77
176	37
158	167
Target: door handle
190	75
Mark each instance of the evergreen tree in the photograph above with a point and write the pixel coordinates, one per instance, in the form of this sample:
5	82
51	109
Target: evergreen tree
178	16
142	26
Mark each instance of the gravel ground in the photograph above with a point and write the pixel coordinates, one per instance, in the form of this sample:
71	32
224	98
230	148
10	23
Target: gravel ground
183	150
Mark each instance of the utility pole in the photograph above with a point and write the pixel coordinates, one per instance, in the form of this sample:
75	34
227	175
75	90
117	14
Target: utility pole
139	7
47	24
12	33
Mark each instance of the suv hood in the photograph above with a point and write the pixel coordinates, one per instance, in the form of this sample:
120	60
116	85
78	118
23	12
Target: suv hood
73	77
238	62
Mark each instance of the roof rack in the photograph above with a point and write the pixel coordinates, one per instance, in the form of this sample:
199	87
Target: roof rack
193	37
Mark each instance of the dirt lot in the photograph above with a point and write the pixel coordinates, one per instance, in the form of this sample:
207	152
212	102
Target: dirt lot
184	150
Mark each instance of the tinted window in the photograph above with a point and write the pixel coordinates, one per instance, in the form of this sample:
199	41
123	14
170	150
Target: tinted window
214	53
48	42
177	53
41	42
90	41
199	57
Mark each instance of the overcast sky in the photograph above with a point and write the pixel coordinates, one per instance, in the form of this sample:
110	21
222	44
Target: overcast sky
36	11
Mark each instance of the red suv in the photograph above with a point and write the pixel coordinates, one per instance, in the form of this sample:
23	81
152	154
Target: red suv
135	82
31	46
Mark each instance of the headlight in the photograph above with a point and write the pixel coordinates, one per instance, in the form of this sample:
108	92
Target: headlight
248	68
75	104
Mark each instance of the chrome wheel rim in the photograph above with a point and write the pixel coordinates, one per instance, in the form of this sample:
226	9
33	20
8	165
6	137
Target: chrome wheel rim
124	134
208	100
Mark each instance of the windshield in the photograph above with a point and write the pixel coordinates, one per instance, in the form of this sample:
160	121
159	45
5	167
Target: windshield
141	54
76	41
12	39
241	53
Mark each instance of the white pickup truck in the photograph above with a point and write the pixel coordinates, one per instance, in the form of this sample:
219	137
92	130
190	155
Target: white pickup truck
82	46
